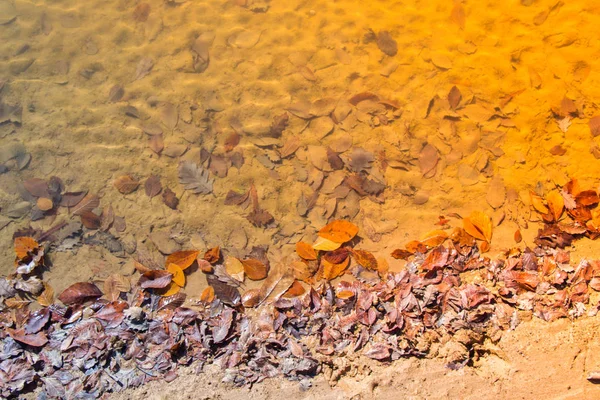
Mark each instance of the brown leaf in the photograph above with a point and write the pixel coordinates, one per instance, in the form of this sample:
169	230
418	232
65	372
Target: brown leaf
279	124
170	199
454	97
335	161
156	143
80	292
153	186
37	340
366	259
387	44
37	187
339	231
88	203
235	198
71	199
254	269
90	220
428	159
594	125
224	292
232	141
155	279
184	259
213	255
518	237
125	184
107	217
331	271
304	271
260	218
295	290
587	198
114	285
251	298
401	254
306	251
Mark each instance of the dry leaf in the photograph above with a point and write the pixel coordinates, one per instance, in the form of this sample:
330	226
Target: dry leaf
295	290
339	231
434	238
208	295
306	251
365	259
125	184
479	225
183	259
254	269
170	290
428	159
234	268
518	237
170	199
251	298
47	297
304	270
114	285
213	255
325	244
556	204
178	275
153	186
25	246
332	271
88	203
454	97
155	279
195	178
90	220
79	292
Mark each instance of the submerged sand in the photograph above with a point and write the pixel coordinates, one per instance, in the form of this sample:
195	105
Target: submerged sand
528	77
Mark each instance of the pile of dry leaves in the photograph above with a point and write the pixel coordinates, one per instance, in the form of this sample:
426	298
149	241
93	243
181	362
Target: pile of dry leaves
302	318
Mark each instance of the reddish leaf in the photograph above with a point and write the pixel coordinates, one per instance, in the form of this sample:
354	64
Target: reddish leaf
153	186
254	269
37	340
155	279
79	292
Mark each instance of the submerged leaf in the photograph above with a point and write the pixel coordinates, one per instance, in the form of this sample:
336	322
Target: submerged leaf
80	292
339	231
195	178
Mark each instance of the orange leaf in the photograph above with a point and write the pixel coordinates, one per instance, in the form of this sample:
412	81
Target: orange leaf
304	271
295	290
213	255
484	247
415	246
254	269
556	204
434	238
345	294
306	251
518	236
208	295
183	259
365	259
332	271
235	268
479	226
339	231
401	254
178	275
25	245
47	296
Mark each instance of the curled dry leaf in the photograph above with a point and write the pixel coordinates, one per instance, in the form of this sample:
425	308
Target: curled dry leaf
339	231
80	292
306	251
183	259
155	279
126	184
479	225
255	269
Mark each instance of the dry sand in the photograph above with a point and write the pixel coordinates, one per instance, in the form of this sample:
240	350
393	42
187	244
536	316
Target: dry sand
61	58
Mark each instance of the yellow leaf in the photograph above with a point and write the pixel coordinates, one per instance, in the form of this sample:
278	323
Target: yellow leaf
183	259
538	203
556	203
178	275
325	244
235	268
479	226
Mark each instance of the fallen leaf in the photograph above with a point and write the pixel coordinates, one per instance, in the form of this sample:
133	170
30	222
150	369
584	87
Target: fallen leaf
387	44
114	285
47	297
171	289
90	220
254	269
594	125
178	275
518	237
434	238
332	271
213	255
224	292
295	290
556	204
306	251
125	184
195	178
80	292
338	231
251	298
153	186
234	268
454	97
208	295
538	203
428	160
25	246
183	259
170	199
37	340
365	259
478	225
155	279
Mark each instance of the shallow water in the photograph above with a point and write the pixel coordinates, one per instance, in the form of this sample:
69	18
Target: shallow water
512	131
